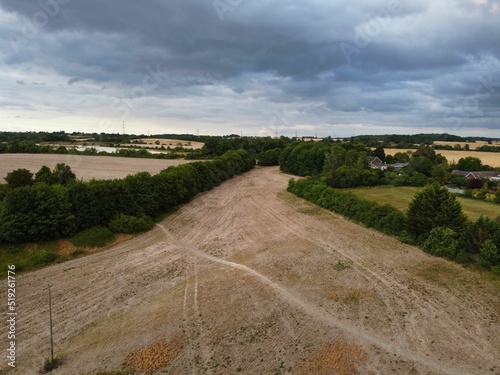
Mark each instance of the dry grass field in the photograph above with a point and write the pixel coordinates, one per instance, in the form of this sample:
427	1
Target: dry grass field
472	145
85	167
247	278
489	158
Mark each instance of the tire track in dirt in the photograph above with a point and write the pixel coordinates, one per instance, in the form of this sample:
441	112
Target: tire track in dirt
407	300
316	312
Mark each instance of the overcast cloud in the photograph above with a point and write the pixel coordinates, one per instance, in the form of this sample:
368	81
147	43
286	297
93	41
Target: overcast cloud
253	67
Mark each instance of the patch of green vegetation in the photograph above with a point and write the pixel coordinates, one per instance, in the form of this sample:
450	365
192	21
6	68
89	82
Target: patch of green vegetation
51	364
340	266
43	258
441	273
93	237
401	196
27	256
77	253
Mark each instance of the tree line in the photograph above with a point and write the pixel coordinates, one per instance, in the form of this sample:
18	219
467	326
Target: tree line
53	204
434	221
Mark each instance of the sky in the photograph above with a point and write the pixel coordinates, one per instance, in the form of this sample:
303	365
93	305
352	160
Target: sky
251	67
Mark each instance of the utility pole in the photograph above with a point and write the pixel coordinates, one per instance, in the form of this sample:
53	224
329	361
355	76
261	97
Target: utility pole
123	127
50	322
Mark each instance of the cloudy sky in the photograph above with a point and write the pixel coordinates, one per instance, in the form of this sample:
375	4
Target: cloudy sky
256	67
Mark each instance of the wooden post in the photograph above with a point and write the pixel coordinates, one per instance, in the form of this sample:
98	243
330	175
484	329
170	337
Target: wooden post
50	323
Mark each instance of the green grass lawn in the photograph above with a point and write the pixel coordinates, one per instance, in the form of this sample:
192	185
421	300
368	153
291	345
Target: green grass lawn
400	197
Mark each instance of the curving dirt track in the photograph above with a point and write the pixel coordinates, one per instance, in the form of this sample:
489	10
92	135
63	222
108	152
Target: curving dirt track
249	279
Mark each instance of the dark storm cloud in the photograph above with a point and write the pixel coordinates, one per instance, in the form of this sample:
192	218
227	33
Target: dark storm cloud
354	56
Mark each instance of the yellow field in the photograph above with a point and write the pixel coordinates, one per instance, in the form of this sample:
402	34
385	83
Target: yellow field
489	158
472	145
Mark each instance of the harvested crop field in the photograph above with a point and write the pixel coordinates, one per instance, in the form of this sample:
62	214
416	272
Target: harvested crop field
489	158
85	167
249	279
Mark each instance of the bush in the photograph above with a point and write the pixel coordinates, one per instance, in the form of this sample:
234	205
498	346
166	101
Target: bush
462	257
489	255
382	217
441	242
44	257
131	224
77	253
93	237
49	364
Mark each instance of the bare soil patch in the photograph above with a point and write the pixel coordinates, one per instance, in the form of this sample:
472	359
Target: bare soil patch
248	279
85	167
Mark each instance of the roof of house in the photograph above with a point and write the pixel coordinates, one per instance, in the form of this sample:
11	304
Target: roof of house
462	173
478	175
485	174
374	160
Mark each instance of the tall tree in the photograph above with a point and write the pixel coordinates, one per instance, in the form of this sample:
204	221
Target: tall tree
379	153
469	163
19	177
434	206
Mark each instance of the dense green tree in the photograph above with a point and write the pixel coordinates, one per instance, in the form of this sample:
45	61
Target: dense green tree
434	206
144	192
19	177
62	174
420	164
440	172
44	175
417	179
489	255
441	242
469	163
269	157
379	152
38	212
476	233
303	158
335	158
458	180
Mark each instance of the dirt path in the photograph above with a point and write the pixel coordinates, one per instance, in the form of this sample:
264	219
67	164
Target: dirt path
249	279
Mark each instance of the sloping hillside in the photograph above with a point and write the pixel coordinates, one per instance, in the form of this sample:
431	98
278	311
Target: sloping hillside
249	279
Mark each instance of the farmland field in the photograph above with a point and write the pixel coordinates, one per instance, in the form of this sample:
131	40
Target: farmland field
85	167
489	158
247	278
401	196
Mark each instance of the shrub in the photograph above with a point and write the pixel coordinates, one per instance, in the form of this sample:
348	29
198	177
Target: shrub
489	255
43	257
462	257
49	364
77	253
131	224
93	237
441	242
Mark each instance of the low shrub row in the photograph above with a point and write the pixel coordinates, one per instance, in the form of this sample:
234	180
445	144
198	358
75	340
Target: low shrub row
442	231
384	218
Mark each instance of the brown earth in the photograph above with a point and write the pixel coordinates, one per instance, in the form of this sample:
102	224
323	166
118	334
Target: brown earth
85	167
249	279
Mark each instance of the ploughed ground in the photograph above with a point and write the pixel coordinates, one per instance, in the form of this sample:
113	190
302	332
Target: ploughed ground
249	279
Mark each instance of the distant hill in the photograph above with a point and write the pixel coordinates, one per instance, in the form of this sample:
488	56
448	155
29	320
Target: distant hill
412	140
